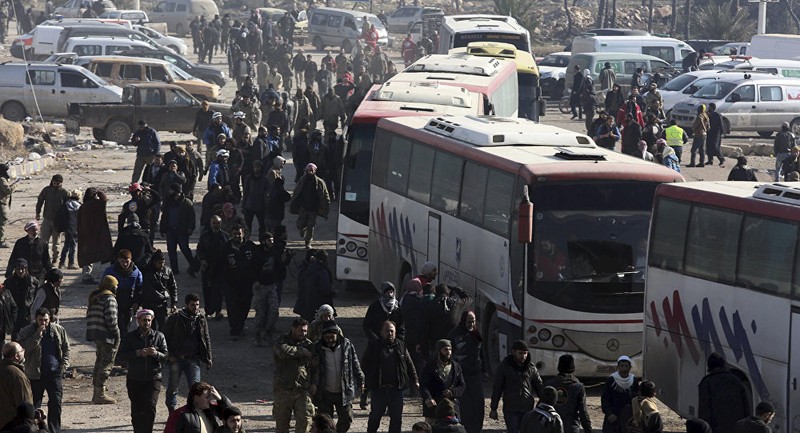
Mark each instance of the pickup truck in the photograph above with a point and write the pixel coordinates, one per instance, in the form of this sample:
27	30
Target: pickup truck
165	107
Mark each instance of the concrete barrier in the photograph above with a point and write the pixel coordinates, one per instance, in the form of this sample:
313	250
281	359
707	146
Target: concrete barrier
29	168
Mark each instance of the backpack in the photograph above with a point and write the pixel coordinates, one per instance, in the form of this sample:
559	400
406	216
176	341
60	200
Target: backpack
62	218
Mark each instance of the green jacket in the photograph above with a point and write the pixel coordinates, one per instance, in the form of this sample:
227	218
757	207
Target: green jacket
30	340
292	364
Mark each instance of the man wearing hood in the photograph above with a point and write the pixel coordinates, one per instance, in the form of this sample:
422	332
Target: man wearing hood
51	198
388	371
314	285
516	380
135	240
571	404
94	235
382	309
441	379
177	224
543	418
6	189
22	286
102	328
187	337
129	287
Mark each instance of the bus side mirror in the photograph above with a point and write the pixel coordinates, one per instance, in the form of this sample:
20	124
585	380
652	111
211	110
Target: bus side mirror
525	232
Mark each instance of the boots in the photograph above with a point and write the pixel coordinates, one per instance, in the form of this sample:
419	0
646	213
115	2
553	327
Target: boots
100	396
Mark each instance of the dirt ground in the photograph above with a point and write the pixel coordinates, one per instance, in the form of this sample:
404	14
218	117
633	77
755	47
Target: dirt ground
241	371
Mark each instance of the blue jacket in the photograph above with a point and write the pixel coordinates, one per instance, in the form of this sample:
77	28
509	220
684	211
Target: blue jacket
210	136
218	173
129	290
148	143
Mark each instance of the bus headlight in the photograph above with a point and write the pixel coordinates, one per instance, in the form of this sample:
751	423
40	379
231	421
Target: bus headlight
558	341
531	329
342	251
341	241
361	252
545	334
351	246
534	340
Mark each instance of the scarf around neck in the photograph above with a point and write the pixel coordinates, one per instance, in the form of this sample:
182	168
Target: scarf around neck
622	383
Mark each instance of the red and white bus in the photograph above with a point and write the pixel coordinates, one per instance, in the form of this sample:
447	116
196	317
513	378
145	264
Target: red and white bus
457	84
450	190
723	276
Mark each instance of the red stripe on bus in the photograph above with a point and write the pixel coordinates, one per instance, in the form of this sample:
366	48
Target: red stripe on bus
590	321
351	235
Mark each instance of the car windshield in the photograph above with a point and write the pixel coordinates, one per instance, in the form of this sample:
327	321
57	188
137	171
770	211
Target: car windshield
183	75
679	83
715	90
95	78
551	60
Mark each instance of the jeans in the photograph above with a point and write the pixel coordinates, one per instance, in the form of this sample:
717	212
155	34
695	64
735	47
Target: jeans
189	367
699	146
70	245
144	397
779	158
513	421
52	383
382	399
175	240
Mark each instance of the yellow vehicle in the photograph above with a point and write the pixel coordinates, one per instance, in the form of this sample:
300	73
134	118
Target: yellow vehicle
122	70
531	105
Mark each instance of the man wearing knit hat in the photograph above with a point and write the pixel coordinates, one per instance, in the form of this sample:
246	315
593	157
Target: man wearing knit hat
51	198
447	420
33	249
145	349
441	379
310	199
571	403
335	375
516	380
102	328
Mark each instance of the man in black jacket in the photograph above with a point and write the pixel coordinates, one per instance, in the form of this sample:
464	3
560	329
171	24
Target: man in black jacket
722	397
516	380
135	240
441	379
22	286
240	264
187	333
571	404
33	249
144	349
388	370
177	223
211	262
159	289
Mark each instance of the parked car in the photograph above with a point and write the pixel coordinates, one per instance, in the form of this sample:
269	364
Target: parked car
27	89
203	72
75	8
405	16
552	70
99	46
165	106
341	27
132	15
179	13
122	70
684	85
171	42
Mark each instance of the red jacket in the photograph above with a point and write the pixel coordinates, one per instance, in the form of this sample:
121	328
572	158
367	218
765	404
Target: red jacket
623	110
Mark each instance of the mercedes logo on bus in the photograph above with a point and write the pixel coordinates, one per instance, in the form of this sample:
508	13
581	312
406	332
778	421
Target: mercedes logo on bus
612	345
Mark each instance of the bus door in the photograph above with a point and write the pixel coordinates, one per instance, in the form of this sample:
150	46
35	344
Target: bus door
434	231
793	404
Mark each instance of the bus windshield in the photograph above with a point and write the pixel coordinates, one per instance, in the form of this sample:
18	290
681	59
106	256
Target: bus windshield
355	174
517	39
589	252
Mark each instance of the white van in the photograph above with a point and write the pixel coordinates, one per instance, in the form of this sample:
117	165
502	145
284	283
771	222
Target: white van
55	86
179	13
786	68
668	49
755	103
103	46
685	85
623	64
341	27
775	46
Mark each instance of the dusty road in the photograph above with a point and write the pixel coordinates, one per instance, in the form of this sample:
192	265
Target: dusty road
241	371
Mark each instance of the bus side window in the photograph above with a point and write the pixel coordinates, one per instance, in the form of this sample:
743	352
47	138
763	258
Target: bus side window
766	247
473	193
668	240
710	253
446	185
499	195
419	185
398	169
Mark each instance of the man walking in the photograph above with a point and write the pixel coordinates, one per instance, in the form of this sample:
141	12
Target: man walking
15	388
389	370
782	148
186	333
722	398
441	379
159	289
571	405
51	198
209	254
102	328
336	375
292	383
6	189
147	145
47	346
33	249
607	77
516	380
177	224
144	349
310	199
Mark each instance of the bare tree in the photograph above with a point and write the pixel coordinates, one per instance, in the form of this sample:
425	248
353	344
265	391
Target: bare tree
600	22
674	18
795	20
688	19
650	17
569	19
613	13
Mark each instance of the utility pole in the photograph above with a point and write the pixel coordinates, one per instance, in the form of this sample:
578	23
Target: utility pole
762	14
